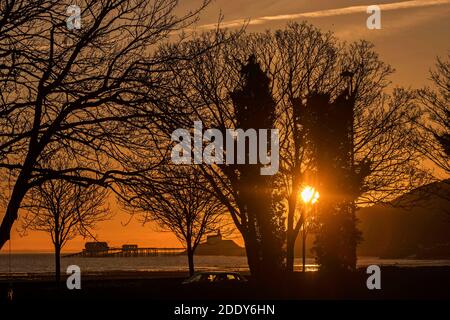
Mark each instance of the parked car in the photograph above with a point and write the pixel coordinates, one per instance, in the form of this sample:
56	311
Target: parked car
215	277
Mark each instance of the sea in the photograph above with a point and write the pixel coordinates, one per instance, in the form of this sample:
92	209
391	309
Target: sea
23	264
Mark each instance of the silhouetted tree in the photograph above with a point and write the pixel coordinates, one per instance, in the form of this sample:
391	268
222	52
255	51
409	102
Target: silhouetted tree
381	126
300	61
306	62
339	181
92	93
263	235
64	210
178	200
433	138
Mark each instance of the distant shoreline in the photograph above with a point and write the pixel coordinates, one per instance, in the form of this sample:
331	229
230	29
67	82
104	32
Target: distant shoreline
105	275
63	253
183	272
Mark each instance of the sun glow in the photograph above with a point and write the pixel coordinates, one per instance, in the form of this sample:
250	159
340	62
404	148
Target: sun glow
309	195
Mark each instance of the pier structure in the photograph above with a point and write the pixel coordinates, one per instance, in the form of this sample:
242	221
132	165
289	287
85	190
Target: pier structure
101	249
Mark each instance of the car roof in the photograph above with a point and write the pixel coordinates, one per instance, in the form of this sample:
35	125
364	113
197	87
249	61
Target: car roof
217	272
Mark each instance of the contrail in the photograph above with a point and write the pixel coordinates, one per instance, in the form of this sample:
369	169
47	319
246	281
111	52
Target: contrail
328	13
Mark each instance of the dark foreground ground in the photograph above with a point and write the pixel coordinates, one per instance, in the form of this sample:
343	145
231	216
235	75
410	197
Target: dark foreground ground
396	283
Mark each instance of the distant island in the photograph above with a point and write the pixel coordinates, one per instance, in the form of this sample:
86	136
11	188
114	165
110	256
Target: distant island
216	246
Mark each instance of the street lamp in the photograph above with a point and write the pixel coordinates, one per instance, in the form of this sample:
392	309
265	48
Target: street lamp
309	196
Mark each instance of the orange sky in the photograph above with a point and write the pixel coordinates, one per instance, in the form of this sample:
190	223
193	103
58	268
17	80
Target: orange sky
413	33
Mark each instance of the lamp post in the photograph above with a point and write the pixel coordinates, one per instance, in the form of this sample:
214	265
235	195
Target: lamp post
309	197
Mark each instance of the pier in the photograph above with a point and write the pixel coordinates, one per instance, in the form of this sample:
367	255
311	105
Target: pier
101	249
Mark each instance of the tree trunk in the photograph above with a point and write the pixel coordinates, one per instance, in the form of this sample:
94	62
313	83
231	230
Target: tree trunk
264	251
57	264
271	243
304	249
190	255
251	249
20	187
290	239
10	216
290	246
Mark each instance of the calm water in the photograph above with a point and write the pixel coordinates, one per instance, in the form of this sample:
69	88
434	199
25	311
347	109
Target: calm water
22	264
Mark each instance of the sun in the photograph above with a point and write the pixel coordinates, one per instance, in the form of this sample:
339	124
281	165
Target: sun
309	195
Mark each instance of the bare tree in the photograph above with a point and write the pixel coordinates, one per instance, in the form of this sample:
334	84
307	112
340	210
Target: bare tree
312	62
300	61
433	137
64	210
178	200
90	93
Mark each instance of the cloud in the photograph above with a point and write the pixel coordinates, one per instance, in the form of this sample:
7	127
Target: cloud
328	13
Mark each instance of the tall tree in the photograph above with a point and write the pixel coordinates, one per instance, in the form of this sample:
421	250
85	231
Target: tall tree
339	181
64	210
263	232
300	61
92	93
